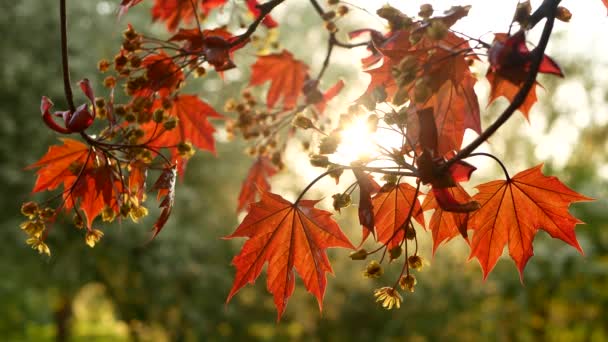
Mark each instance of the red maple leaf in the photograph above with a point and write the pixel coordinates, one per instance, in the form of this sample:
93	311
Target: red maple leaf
512	212
286	75
450	83
162	75
166	191
510	62
95	188
252	5
59	162
256	181
216	46
444	224
391	207
367	188
125	5
288	237
192	126
173	12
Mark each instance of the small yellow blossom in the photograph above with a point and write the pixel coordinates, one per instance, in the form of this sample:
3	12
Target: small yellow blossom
373	270
415	262
29	209
108	214
137	213
389	297
39	245
408	282
33	228
93	236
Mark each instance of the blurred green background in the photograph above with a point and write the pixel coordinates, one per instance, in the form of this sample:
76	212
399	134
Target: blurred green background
174	288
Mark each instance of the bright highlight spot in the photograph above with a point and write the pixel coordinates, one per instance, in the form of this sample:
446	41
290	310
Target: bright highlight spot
358	142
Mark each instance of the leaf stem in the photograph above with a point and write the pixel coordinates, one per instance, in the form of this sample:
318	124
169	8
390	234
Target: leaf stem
504	168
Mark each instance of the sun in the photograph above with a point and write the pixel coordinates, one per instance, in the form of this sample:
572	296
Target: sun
359	142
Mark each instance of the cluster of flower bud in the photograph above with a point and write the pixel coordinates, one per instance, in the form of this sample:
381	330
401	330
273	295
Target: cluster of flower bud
35	226
254	123
338	11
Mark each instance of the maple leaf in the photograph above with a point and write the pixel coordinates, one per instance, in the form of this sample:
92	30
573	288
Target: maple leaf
444	224
125	5
256	181
192	126
214	45
172	12
138	173
605	3
513	211
96	187
162	75
450	83
286	75
166	190
510	62
288	237
391	207
57	164
367	187
252	5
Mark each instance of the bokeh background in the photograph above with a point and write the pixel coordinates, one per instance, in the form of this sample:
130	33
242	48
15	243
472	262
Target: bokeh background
174	288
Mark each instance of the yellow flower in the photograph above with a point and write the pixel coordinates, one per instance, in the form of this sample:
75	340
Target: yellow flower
389	297
108	214
373	270
415	262
93	236
408	282
29	209
137	213
33	228
39	245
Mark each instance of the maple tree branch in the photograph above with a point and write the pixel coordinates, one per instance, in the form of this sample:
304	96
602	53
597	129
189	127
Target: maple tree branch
549	7
265	9
67	88
330	48
317	7
381	170
332	38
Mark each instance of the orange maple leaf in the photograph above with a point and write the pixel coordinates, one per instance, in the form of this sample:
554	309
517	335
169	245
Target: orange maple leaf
95	188
166	191
256	181
450	82
173	12
288	236
56	164
391	207
192	126
445	225
510	62
513	211
286	75
163	75
605	3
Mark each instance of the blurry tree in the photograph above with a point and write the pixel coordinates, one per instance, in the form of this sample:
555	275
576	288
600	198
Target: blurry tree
174	288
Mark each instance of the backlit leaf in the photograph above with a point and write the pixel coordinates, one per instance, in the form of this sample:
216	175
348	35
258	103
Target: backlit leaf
288	237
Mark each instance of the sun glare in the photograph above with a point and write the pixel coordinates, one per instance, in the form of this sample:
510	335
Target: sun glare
358	142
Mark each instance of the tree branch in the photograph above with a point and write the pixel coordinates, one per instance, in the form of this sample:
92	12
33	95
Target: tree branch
67	88
548	10
265	9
